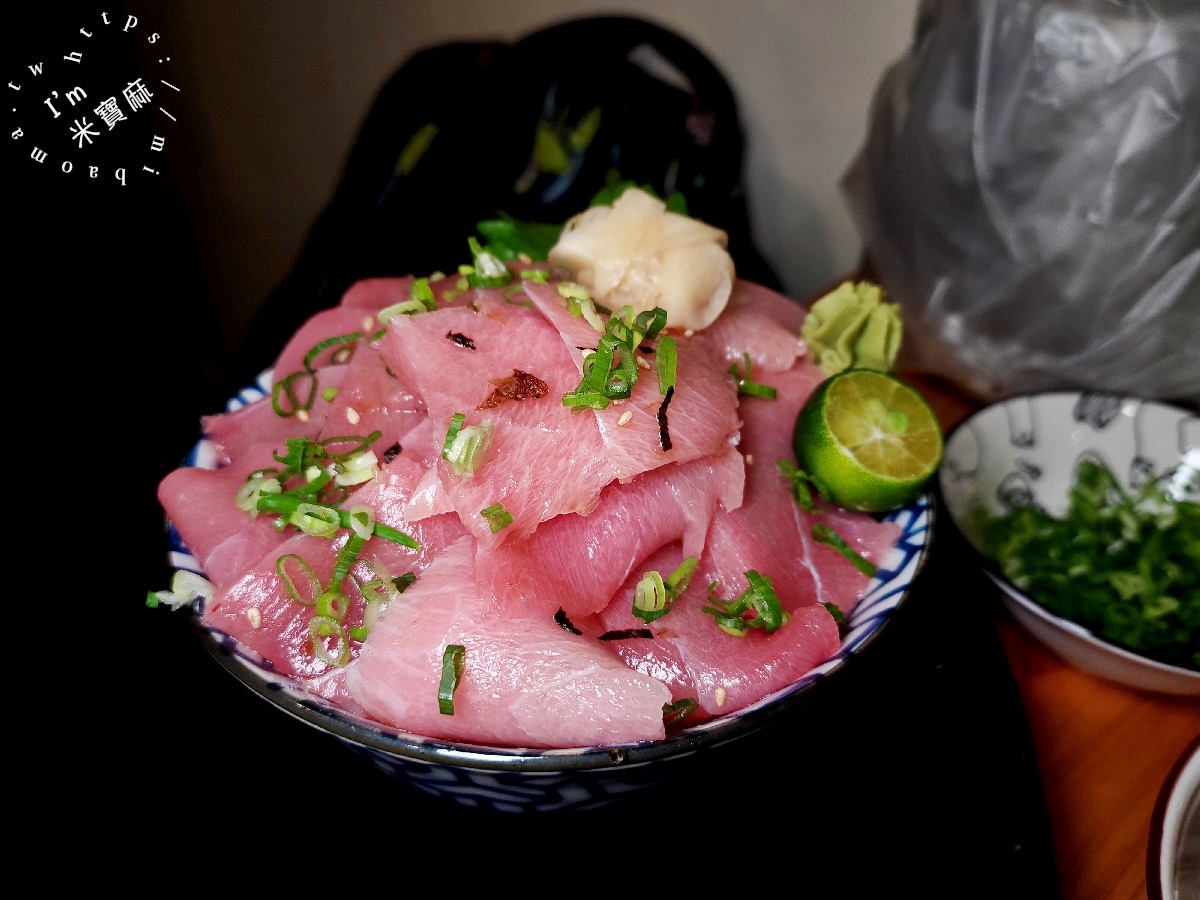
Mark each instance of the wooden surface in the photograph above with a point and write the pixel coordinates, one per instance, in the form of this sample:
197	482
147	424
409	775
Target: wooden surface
1103	751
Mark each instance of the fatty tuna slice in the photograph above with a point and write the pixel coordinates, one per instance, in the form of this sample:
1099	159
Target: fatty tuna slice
233	432
375	294
721	672
643	433
257	610
526	682
761	323
543	461
771	534
576	562
201	505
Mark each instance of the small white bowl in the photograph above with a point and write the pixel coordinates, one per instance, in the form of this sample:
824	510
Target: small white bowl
1024	450
1173	854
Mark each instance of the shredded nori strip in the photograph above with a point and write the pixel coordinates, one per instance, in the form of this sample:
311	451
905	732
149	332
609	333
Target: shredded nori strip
627	633
561	618
461	339
673	713
664	435
392	452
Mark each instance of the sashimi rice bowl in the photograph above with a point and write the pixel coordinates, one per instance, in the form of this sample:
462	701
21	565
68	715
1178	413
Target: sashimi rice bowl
538	523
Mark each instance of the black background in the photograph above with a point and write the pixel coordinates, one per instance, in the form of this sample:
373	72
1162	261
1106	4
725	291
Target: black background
911	774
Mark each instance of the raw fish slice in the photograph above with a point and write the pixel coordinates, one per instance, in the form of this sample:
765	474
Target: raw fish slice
700	420
576	562
701	417
257	610
200	503
232	433
543	461
337	321
761	323
721	672
372	398
771	533
374	294
526	682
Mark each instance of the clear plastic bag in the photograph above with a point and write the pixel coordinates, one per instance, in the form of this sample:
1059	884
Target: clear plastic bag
1029	192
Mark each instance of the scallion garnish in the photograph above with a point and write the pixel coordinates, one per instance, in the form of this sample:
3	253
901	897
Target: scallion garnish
653	597
827	535
306	596
456	422
454	661
759	599
800	481
468	452
498	518
322	627
664	363
677	711
749	388
487	269
286	505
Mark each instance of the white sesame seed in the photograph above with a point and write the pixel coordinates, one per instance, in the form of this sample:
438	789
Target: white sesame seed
719	696
625	419
302	415
341	355
368	323
749	459
352	415
255	617
688	333
641	361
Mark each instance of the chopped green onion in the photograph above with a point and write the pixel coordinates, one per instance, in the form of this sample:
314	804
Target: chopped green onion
456	422
497	517
488	270
759	598
423	292
664	363
827	535
336	341
453	663
403	308
745	386
186	586
800	481
312	584
468	452
334	604
653	598
322	627
314	519
285	505
676	712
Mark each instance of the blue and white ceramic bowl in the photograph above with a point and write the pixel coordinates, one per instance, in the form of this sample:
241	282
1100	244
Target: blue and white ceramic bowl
1024	450
521	780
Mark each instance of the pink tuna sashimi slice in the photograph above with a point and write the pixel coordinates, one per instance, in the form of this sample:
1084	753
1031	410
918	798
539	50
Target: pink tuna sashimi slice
201	505
543	461
372	399
721	672
802	569
257	610
701	417
761	323
326	325
232	433
526	682
374	294
576	562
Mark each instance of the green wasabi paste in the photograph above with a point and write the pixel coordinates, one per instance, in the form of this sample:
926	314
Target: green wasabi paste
852	326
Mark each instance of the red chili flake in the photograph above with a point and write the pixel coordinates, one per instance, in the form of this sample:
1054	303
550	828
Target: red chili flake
518	386
461	339
664	436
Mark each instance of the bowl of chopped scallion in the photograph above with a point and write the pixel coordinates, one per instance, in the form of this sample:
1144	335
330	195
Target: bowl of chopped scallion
1084	510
